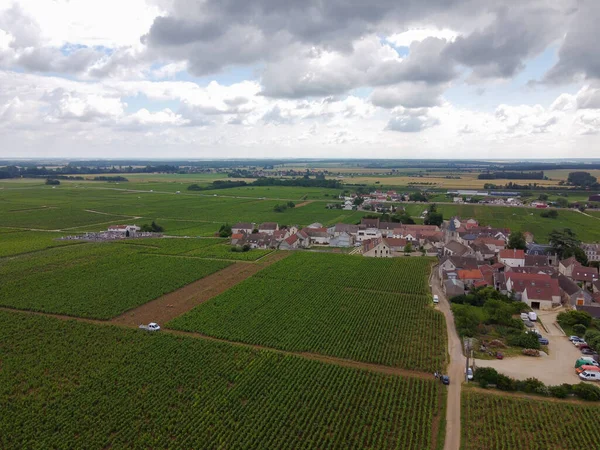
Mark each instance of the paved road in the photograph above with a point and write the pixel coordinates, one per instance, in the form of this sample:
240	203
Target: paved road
456	370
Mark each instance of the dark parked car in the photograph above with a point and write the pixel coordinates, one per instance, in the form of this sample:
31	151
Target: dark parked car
543	341
587	351
445	379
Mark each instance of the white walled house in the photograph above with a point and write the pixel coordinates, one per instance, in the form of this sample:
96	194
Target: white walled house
512	257
368	234
124	229
242	227
376	248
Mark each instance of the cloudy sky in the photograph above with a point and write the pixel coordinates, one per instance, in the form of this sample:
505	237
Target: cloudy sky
300	78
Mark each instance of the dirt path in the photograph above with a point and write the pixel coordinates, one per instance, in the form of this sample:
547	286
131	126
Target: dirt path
178	302
456	369
300	205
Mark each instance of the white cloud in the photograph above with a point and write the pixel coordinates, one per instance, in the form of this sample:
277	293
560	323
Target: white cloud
406	38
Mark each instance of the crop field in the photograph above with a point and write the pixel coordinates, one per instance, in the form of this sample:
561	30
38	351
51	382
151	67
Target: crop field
91	208
212	248
491	421
96	281
60	389
14	242
523	219
281	192
368	310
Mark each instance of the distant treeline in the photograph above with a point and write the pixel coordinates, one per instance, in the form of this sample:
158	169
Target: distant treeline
511	176
34	172
302	182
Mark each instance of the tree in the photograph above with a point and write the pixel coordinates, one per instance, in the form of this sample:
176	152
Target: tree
517	241
543	197
225	231
583	179
549	214
52	182
562	202
358	201
578	253
562	240
291	204
408	248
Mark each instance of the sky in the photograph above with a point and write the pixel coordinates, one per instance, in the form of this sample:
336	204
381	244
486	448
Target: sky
299	79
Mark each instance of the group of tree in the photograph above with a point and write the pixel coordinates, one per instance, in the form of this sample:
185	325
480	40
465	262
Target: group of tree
487	376
218	184
301	182
566	244
152	228
225	231
281	208
516	241
433	217
512	175
549	214
35	171
52	182
582	179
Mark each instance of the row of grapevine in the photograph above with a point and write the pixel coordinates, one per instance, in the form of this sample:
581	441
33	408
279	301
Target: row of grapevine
60	389
491	421
94	280
400	275
398	330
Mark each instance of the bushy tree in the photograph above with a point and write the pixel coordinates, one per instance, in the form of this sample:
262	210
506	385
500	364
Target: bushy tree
570	318
225	231
563	240
516	240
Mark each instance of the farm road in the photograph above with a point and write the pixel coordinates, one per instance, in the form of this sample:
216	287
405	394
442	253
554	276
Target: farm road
178	302
456	369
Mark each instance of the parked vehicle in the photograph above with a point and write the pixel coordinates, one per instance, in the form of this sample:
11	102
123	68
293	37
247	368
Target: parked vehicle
436	299
543	341
590	376
524	316
528	323
152	326
445	379
499	355
588	351
574	339
590	359
583	362
587	368
469	374
532	316
581	344
536	331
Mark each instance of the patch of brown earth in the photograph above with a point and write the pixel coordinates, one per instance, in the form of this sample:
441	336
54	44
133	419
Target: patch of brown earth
178	302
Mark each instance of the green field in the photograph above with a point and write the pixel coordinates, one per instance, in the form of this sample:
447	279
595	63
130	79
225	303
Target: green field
371	310
94	280
491	422
14	242
65	384
521	219
213	248
91	208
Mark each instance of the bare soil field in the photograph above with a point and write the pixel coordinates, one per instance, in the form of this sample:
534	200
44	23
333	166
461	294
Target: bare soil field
176	303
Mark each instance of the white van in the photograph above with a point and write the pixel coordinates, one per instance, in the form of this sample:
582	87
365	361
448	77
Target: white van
532	316
436	299
590	375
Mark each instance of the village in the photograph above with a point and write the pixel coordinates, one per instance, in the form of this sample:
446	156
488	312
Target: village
470	256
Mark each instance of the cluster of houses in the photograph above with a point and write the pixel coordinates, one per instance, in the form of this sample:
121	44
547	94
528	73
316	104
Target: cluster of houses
113	233
371	237
475	256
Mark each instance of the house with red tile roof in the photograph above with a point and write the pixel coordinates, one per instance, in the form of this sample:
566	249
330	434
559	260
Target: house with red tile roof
290	243
585	275
539	291
470	277
512	257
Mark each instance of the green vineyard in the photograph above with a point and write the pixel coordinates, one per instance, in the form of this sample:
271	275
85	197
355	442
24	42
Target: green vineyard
491	422
60	389
327	313
94	280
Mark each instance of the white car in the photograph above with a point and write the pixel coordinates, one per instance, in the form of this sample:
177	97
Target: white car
152	326
524	316
436	299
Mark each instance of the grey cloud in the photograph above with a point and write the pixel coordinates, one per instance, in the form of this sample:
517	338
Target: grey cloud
412	121
409	95
517	33
578	53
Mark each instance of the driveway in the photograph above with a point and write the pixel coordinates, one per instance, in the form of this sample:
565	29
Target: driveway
556	368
